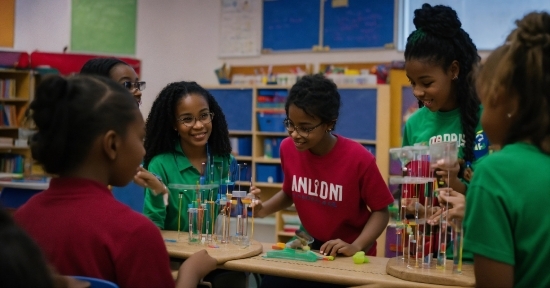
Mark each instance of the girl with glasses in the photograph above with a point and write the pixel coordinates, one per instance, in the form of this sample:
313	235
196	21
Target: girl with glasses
185	128
125	75
339	193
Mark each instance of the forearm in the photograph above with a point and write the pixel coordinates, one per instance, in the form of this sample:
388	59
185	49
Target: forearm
458	186
276	203
378	221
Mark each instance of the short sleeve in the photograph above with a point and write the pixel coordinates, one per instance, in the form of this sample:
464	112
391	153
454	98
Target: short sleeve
374	189
154	207
488	219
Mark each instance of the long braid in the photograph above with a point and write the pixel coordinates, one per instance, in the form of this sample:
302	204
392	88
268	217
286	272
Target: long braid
440	39
469	106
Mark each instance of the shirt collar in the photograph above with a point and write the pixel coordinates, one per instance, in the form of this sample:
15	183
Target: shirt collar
183	163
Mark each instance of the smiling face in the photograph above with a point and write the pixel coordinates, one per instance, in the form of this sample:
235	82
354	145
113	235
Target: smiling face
122	73
192	107
432	84
317	140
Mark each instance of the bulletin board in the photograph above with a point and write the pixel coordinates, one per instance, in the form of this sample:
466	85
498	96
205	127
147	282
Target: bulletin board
104	26
357	119
290	24
7	22
295	25
362	24
240	28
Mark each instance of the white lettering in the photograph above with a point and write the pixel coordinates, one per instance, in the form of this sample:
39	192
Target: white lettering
302	183
335	192
324	190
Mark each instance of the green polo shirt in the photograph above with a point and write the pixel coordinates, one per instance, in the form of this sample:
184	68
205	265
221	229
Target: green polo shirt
175	168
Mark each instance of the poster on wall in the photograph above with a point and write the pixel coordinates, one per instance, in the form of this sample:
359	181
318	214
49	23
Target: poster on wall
104	26
7	23
240	28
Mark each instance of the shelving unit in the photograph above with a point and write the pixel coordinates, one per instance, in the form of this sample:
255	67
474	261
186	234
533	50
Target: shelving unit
16	91
364	117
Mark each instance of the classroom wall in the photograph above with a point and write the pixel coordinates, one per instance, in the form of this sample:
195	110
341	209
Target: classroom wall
176	40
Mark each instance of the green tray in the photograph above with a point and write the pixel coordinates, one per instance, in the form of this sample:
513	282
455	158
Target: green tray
292	254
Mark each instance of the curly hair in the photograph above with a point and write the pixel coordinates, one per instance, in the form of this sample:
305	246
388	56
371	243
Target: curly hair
71	112
439	39
522	65
160	136
317	96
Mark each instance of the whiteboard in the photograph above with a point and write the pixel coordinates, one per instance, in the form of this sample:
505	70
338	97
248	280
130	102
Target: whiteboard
240	28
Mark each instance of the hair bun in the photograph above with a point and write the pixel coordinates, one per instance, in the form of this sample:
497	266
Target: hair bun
533	30
439	20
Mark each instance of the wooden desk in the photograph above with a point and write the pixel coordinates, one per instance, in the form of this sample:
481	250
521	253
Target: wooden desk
224	253
340	271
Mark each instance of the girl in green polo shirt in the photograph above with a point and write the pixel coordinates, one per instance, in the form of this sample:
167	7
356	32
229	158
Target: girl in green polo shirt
185	128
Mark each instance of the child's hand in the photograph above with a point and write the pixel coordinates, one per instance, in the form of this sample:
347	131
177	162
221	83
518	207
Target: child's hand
196	267
446	172
456	201
146	179
337	246
256	202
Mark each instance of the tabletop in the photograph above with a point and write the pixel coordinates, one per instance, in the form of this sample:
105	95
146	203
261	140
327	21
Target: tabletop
178	247
340	271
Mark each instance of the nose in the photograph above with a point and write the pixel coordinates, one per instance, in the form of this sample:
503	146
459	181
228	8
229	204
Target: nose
137	95
417	92
199	123
294	134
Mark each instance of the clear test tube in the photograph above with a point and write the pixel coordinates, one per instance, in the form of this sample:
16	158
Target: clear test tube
442	243
227	220
193	233
241	234
221	220
201	220
212	224
457	248
427	240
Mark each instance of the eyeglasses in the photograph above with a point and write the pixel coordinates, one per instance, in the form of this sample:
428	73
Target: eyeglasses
302	131
190	121
132	86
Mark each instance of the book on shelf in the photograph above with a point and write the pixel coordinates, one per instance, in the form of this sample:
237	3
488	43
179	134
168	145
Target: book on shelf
6	142
291	227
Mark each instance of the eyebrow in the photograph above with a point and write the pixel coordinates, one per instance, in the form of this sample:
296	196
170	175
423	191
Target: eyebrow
189	113
300	123
127	79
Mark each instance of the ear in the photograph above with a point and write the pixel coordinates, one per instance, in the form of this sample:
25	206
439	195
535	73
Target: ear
454	69
111	143
331	124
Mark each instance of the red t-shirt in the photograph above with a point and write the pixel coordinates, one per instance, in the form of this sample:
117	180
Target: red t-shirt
332	192
84	231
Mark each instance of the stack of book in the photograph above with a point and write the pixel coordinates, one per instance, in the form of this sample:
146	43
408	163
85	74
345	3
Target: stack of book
6	142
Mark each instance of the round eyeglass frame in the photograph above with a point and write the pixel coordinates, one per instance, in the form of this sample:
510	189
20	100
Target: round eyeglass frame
132	86
290	127
211	114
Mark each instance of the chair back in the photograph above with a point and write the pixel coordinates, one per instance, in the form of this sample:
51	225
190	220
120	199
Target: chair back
132	195
15	197
96	282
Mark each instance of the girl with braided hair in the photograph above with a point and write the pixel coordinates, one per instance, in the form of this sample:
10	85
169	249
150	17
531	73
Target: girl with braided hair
439	60
507	198
186	126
